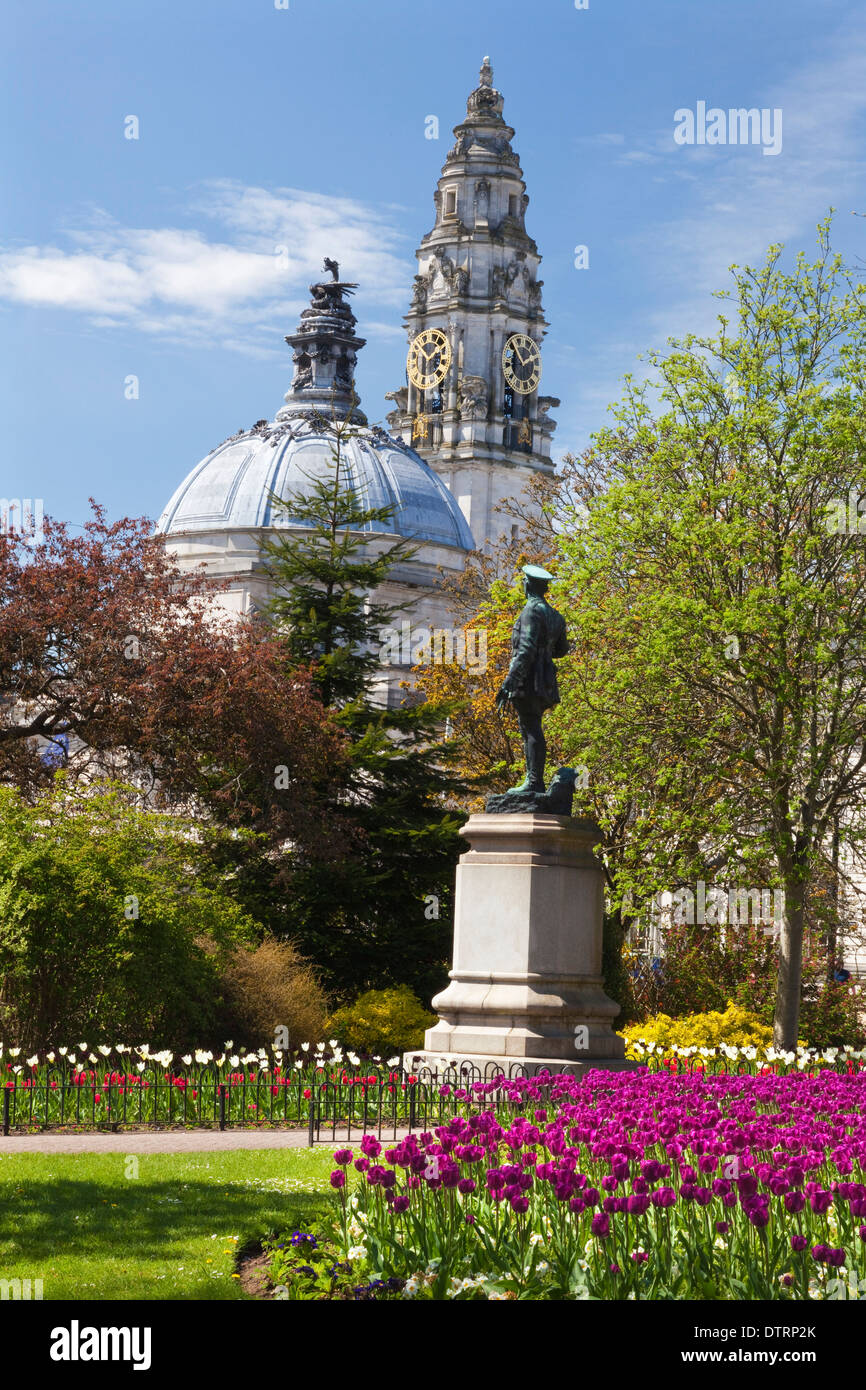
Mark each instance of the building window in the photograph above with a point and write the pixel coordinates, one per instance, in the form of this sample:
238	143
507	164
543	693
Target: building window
517	438
450	202
508	403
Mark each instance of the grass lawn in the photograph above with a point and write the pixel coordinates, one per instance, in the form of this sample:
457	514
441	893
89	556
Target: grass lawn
89	1229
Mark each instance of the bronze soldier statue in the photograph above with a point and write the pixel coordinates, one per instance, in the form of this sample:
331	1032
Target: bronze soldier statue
537	640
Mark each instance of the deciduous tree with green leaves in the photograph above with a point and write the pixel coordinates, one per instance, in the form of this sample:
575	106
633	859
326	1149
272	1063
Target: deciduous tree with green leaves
113	925
716	589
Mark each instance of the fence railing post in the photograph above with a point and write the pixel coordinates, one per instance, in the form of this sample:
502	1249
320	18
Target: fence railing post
6	1094
411	1083
311	1130
222	1096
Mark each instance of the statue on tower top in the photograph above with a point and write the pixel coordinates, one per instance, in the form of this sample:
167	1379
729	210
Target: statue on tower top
484	102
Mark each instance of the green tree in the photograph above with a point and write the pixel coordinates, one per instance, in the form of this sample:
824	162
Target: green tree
111	925
717	593
381	913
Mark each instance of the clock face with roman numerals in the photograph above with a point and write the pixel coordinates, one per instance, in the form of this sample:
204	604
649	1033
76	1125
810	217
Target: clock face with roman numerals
428	359
521	363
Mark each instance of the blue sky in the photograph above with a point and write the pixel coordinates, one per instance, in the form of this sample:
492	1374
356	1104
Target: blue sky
304	127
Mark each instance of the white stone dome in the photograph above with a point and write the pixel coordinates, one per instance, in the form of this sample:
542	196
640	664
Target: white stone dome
224	509
231	489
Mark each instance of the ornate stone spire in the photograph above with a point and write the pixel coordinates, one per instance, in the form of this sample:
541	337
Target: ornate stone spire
483	129
325	348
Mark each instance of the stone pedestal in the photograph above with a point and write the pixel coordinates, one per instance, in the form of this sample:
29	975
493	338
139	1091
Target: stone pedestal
526	988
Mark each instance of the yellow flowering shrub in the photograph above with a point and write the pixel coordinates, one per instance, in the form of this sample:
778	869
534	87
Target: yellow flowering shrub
382	1021
736	1027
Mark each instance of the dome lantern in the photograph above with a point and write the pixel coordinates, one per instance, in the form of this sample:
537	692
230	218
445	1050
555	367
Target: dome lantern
325	353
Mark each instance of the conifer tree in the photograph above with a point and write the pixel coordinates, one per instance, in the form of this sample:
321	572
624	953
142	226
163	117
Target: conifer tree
381	915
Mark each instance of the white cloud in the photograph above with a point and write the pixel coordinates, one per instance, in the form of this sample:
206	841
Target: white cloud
47	276
605	137
237	286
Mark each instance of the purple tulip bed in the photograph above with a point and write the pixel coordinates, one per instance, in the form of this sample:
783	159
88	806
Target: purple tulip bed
620	1186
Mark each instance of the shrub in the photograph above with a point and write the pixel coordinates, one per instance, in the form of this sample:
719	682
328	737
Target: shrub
832	1015
268	988
702	971
112	924
617	968
736	1026
382	1021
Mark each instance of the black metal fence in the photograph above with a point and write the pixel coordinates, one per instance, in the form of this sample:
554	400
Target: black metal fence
350	1097
421	1100
332	1107
155	1100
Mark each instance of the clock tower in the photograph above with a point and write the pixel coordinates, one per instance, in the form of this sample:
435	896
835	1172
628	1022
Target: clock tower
471	404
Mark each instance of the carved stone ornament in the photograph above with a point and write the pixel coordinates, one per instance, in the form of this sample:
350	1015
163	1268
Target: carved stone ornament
419	293
473	397
442	268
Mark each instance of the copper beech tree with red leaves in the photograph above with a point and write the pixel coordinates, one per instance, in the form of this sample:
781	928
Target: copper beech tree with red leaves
113	662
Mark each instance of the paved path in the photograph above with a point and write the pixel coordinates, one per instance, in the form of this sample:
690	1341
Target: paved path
174	1141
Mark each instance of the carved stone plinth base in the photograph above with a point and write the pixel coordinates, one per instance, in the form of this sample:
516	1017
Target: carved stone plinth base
526	986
